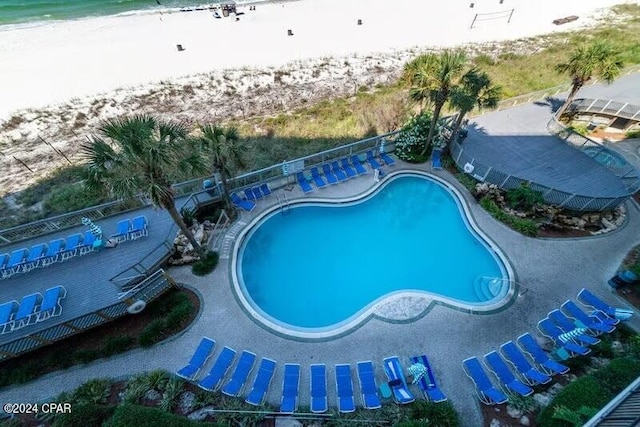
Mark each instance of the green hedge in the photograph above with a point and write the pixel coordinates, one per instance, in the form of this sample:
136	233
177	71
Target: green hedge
521	225
134	415
84	415
170	314
206	265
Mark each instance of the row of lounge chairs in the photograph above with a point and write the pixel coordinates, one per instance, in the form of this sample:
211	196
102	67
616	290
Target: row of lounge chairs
32	309
214	380
569	335
131	229
252	195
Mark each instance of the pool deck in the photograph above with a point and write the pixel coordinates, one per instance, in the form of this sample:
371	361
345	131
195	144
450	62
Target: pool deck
550	270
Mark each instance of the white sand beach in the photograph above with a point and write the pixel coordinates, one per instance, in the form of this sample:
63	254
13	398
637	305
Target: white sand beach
54	62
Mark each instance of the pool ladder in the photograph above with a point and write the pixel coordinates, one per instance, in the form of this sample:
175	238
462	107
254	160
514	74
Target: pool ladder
283	203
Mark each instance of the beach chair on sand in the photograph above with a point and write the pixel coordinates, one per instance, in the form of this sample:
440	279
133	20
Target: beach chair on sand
487	393
368	387
397	383
261	384
219	369
290	384
199	358
239	377
529	345
427	383
344	389
318	387
527	372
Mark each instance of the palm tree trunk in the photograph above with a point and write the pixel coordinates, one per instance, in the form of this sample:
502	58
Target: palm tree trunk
457	124
225	191
175	215
574	91
432	127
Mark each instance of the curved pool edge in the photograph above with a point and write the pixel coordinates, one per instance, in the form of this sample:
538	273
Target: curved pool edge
368	312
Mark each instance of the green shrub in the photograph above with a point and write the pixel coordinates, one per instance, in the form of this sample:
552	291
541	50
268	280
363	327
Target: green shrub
161	306
577	417
585	391
133	415
117	344
524	198
618	374
86	356
412	137
70	198
524	226
206	265
178	315
436	414
93	392
84	415
172	390
152	333
188	215
157	379
633	134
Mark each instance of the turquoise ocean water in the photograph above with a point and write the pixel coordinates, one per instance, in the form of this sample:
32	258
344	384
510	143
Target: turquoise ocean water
30	11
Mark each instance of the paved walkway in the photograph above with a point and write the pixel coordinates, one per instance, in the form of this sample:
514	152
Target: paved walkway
551	270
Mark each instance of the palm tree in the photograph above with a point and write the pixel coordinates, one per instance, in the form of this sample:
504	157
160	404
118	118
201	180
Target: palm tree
131	156
435	78
225	151
599	59
476	89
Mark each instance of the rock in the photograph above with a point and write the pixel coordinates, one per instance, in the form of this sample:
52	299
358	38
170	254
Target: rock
514	412
599	362
555	389
199	234
607	224
617	348
524	420
201	414
494	423
288	422
185	401
542	400
152	395
571	377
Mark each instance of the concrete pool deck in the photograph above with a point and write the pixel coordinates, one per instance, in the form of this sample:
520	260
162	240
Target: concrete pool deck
550	270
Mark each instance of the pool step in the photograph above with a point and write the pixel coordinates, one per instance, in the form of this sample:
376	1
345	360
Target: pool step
487	288
229	238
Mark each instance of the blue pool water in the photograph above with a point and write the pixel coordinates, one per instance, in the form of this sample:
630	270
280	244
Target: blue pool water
320	264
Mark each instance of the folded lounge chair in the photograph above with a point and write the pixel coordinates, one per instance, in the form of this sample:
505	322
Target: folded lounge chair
87	242
397	383
348	169
529	374
487	393
303	183
548	329
54	249
317	179
261	383
240	374
340	174
590	300
3	262
139	227
498	366
27	312
72	246
7	312
17	261
51	303
368	387
219	369
199	358
344	389
290	384
583	320
318	388
529	345
122	231
36	254
427	383
265	189
356	164
242	204
372	161
568	326
329	175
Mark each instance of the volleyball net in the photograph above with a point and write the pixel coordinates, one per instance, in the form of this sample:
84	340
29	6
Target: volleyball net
493	16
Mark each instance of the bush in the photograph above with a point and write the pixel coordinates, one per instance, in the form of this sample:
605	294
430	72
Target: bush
206	265
86	356
117	344
524	198
152	333
618	374
633	134
585	391
521	225
178	315
436	414
70	198
84	415
93	392
133	415
412	137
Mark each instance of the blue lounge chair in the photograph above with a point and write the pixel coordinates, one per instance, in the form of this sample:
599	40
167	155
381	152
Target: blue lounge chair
568	325
290	384
387	159
199	358
242	204
51	303
329	175
87	242
54	250
356	164
265	189
372	161
548	329
347	168
397	383
487	393
303	183
122	230
3	262
72	246
249	194
344	389
317	179
261	384
139	227
529	345
340	174
531	375
36	254
27	312
318	388
427	383
7	312
583	320
590	300
240	374
219	369
368	387
436	163
17	261
501	370
257	193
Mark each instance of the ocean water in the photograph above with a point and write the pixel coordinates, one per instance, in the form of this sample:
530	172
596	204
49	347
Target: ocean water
319	265
29	11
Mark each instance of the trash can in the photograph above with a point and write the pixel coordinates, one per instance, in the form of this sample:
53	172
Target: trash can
624	278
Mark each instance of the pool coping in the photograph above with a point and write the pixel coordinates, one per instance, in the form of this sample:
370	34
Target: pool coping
370	311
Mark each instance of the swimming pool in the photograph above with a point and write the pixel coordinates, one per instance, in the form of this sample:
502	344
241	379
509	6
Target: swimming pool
321	265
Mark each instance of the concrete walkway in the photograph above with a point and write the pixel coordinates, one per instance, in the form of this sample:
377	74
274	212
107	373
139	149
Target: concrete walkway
551	271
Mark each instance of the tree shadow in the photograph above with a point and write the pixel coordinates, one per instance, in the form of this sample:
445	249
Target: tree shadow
552	102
